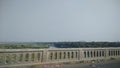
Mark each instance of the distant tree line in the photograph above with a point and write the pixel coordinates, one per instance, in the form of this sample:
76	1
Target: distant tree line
38	45
22	46
86	44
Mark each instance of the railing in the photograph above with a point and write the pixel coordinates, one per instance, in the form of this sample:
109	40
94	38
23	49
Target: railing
9	57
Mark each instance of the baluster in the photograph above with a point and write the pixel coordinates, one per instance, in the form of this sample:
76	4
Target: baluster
30	57
53	56
58	55
10	58
74	55
62	55
35	57
3	58
90	53
98	53
16	58
40	56
66	55
23	57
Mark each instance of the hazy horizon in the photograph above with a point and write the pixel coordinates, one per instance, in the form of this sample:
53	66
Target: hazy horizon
59	20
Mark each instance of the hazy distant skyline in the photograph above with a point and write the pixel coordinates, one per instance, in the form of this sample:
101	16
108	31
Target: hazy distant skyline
59	20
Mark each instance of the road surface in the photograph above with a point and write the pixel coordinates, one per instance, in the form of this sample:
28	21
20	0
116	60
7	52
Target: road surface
107	64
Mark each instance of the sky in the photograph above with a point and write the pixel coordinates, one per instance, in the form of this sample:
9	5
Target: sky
59	20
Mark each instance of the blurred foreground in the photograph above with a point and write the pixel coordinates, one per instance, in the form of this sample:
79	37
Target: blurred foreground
106	64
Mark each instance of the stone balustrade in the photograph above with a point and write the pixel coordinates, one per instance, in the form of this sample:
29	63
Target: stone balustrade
56	55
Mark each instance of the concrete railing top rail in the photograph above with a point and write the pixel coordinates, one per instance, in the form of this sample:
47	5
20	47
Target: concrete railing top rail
6	50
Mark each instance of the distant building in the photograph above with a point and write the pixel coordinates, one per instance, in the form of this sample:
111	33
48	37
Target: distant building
52	47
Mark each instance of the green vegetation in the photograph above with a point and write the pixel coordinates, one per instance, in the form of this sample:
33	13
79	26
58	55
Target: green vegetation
86	44
38	45
22	46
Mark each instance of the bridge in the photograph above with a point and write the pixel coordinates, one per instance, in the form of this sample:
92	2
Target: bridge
18	57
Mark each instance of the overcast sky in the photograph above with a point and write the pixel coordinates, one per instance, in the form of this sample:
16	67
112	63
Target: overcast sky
59	20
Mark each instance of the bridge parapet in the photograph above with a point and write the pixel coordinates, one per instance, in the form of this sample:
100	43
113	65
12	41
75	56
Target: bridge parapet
57	55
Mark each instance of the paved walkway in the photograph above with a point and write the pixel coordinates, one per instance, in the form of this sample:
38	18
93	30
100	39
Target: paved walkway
107	64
